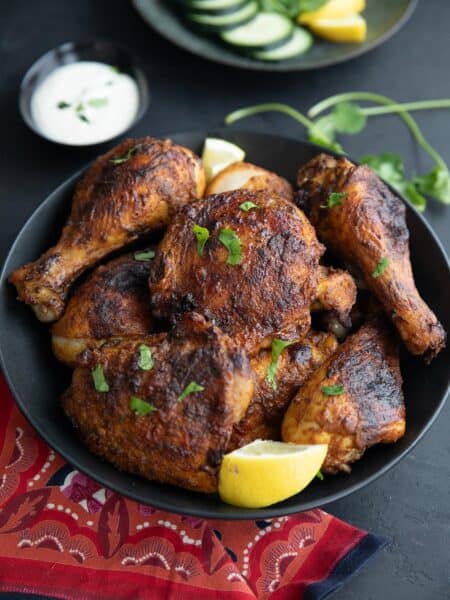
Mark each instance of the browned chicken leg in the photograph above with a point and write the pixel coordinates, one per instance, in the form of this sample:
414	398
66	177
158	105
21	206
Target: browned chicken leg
113	302
367	228
268	405
353	401
265	291
131	189
181	431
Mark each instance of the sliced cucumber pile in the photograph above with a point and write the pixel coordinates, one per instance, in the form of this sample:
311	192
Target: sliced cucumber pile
266	36
264	30
299	43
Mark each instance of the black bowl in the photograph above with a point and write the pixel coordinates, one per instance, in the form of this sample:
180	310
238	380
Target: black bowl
71	52
37	379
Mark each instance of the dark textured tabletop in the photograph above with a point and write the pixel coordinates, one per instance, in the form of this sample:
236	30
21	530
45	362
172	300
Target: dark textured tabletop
411	504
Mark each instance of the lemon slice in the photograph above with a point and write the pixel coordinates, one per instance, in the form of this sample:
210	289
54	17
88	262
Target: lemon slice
349	29
218	155
333	9
265	472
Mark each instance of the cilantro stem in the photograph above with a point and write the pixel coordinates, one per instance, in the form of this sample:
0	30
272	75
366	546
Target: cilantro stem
256	109
379	99
405	106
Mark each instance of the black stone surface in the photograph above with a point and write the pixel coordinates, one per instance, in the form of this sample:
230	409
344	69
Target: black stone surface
412	503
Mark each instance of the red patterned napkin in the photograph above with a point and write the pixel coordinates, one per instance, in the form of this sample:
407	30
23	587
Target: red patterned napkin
63	535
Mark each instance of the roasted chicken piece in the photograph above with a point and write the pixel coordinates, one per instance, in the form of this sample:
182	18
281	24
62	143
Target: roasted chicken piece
268	405
186	429
353	401
256	284
249	177
132	189
336	293
113	302
367	228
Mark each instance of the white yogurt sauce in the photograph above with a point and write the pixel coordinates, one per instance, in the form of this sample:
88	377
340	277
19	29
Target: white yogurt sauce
85	103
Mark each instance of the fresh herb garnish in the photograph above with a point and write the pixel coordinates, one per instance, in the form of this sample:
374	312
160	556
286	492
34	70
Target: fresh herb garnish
190	389
122	159
319	475
63	104
332	390
98	376
233	244
144	256
310	5
141	407
277	348
202	235
97	102
334	199
145	358
83	118
247	205
381	266
347	117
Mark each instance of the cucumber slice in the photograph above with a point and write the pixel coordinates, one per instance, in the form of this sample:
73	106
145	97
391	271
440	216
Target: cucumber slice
266	29
212	5
206	7
299	43
222	22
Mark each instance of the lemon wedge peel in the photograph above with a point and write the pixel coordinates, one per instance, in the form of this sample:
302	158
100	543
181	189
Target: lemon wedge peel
219	154
333	9
265	472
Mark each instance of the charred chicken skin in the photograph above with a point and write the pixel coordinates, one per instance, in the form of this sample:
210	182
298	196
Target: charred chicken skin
132	189
336	293
246	176
267	287
353	401
368	229
182	438
268	405
113	302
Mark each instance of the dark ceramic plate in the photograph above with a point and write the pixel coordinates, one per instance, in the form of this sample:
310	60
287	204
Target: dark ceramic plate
384	18
37	380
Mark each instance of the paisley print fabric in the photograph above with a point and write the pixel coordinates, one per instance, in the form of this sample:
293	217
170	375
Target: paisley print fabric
64	535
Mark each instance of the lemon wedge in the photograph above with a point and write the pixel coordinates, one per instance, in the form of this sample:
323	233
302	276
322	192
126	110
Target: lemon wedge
265	472
349	29
218	155
333	9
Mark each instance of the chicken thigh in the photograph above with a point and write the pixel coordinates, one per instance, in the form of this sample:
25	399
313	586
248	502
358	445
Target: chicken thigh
113	302
268	405
170	418
353	401
132	189
252	272
366	226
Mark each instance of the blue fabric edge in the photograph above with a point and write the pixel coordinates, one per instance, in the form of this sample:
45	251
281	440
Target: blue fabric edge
349	566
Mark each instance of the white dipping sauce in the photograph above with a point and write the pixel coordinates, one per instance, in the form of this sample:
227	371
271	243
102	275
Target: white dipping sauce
85	103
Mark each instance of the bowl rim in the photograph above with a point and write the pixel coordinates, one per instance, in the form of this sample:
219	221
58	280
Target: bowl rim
65	47
236	513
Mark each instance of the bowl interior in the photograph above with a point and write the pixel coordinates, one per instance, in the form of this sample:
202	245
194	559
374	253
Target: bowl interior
37	379
71	52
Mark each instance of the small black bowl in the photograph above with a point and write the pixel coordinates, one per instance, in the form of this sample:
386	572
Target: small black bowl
71	52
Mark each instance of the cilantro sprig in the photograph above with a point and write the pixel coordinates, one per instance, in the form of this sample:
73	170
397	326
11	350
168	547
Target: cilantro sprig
344	115
141	407
232	243
334	199
277	348
202	235
191	388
